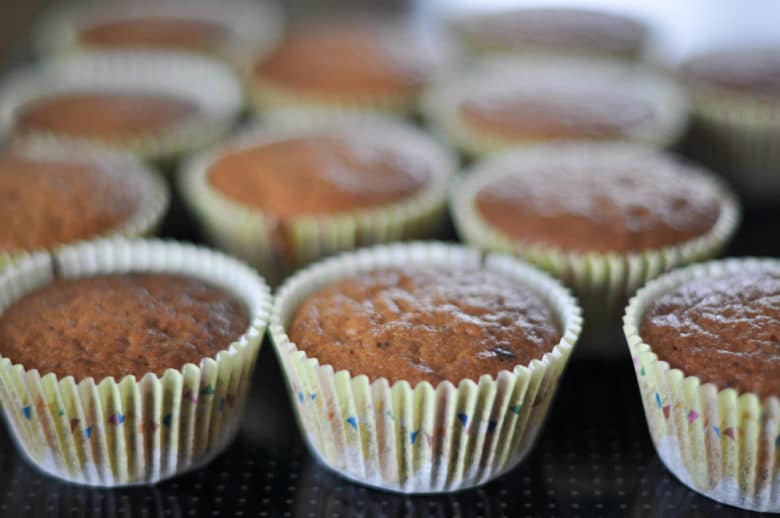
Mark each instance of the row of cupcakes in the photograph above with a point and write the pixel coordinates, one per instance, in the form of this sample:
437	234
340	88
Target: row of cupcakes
603	217
420	367
164	105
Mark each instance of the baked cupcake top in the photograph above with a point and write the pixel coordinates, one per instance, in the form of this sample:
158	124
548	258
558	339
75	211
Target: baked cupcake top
317	174
115	325
752	72
425	323
156	106
724	329
559	29
47	202
104	114
347	59
605	199
500	103
560	112
164	32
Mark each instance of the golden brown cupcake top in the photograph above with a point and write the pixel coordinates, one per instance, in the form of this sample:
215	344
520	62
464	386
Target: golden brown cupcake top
114	325
164	32
724	330
345	60
556	28
425	323
558	113
317	175
600	209
104	115
749	71
46	203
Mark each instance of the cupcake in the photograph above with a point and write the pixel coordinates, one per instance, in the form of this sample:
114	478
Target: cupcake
539	30
422	368
704	341
298	189
143	355
61	193
234	32
345	65
604	218
154	106
514	102
735	97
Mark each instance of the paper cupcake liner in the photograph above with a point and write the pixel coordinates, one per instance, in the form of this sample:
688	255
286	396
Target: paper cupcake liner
207	83
131	431
254	27
720	443
153	195
420	439
738	136
441	102
602	282
278	248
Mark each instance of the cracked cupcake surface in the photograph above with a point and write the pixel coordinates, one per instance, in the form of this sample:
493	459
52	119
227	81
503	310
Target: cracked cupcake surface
724	330
425	324
115	325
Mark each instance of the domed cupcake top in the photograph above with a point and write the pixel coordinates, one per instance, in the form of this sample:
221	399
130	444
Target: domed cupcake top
724	329
425	323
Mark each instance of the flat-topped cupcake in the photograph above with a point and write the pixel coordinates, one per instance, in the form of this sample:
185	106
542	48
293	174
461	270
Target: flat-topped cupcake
118	325
317	175
735	96
552	30
425	324
409	363
59	194
235	31
704	341
104	115
514	102
127	361
295	191
603	217
350	65
156	106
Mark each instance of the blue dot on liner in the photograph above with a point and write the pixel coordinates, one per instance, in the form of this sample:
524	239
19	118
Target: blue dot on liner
120	418
300	396
208	390
166	420
353	421
463	418
658	399
27	411
492	425
312	396
88	432
413	435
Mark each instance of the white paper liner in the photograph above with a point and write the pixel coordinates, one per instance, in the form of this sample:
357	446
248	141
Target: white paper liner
209	84
420	439
441	103
253	26
131	431
252	235
720	443
152	191
603	282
